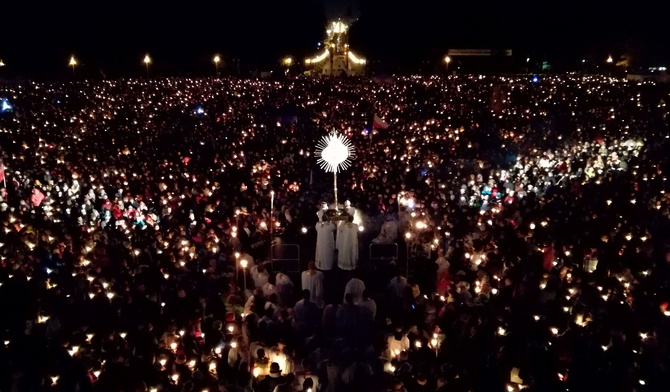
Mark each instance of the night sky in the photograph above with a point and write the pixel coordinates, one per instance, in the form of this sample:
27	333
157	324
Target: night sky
38	37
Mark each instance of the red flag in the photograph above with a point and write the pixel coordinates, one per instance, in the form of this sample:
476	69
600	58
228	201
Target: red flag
378	123
548	259
383	80
2	172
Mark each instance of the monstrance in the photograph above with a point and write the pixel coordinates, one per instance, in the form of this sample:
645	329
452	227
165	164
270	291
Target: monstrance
334	152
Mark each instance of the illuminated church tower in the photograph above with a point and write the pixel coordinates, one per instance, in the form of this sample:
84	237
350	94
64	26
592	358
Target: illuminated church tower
336	59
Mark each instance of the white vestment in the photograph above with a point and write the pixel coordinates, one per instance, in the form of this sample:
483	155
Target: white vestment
395	347
314	283
347	246
388	234
442	265
355	287
325	245
259	278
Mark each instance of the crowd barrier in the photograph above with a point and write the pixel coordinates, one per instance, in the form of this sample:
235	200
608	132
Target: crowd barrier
380	253
285	258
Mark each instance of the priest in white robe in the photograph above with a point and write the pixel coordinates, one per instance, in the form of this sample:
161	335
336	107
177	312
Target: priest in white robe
259	275
322	211
347	245
389	232
442	263
325	245
355	288
284	288
312	280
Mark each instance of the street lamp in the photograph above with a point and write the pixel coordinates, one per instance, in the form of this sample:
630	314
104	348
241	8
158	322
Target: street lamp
527	64
272	219
2	63
272	214
610	60
237	265
216	60
147	61
244	264
447	60
287	62
72	63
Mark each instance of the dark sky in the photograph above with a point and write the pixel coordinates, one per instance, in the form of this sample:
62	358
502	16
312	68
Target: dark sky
38	37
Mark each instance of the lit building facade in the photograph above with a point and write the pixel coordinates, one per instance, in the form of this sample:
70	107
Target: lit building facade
336	58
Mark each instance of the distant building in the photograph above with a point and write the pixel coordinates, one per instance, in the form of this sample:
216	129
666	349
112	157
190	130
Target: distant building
656	74
336	58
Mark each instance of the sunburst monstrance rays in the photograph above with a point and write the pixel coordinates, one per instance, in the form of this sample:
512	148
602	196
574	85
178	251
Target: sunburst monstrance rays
334	152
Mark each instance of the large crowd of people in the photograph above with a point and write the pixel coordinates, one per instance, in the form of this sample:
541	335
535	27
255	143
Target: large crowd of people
500	234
